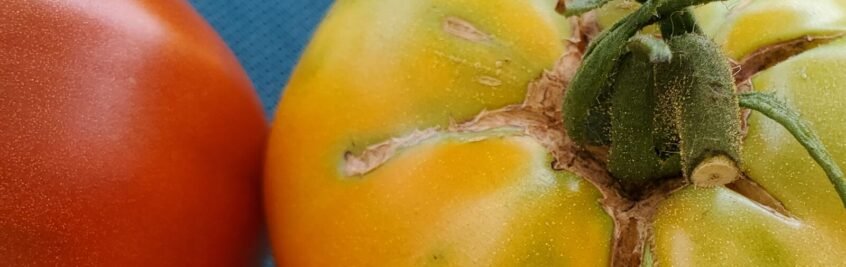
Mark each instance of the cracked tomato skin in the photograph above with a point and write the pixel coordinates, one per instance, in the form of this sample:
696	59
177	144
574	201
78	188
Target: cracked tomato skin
379	69
129	136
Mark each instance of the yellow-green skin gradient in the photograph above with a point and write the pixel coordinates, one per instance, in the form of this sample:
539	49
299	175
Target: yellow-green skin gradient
717	227
378	69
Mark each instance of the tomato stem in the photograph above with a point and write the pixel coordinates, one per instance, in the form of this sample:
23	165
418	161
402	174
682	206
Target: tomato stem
705	107
778	111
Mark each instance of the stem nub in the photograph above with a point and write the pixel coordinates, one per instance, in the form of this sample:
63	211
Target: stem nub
715	171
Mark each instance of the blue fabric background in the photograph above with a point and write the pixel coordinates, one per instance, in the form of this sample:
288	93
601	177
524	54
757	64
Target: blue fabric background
268	37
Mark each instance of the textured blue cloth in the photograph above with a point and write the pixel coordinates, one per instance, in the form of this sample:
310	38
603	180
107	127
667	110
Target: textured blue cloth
266	35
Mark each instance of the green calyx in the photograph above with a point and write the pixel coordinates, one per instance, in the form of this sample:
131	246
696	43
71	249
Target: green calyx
668	106
634	158
625	100
595	77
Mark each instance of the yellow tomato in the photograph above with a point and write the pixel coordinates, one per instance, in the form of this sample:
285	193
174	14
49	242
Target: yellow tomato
368	164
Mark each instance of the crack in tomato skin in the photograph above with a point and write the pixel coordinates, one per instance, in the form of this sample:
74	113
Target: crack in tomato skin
591	160
539	117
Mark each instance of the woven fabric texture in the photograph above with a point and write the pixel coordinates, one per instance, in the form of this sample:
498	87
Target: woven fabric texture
268	37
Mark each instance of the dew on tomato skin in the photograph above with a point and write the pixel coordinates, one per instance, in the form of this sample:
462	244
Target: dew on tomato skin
804	73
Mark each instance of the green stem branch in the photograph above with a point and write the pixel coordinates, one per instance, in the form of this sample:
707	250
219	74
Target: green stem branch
578	7
679	23
778	111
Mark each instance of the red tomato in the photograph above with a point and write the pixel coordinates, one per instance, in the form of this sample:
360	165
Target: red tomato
129	136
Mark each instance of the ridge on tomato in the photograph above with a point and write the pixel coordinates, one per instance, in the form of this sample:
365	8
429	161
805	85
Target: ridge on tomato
498	133
129	136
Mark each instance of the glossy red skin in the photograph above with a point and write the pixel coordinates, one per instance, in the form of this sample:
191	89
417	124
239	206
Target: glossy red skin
129	136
